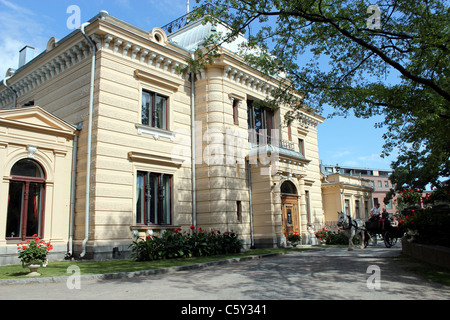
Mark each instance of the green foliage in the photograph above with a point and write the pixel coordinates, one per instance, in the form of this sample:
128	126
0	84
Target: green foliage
177	244
428	226
293	237
334	237
298	38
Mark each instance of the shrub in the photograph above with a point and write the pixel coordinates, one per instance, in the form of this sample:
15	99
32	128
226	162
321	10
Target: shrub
335	237
429	226
177	244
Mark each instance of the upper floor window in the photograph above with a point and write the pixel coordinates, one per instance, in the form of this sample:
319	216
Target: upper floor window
301	148
260	123
154	110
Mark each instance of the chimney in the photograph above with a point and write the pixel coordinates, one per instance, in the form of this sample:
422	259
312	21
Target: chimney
26	55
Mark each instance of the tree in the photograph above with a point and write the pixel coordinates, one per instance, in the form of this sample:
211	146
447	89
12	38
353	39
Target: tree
411	44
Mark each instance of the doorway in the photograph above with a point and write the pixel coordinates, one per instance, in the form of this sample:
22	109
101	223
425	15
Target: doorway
289	208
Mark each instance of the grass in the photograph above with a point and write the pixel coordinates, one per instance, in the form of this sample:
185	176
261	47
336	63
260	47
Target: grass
428	271
59	269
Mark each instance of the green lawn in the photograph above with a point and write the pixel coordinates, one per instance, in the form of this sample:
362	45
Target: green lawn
58	269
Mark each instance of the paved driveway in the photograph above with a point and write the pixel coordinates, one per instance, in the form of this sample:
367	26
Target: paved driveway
333	273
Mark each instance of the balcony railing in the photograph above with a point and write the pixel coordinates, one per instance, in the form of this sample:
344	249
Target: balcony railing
258	138
184	20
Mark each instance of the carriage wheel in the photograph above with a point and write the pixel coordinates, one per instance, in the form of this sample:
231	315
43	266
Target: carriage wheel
388	239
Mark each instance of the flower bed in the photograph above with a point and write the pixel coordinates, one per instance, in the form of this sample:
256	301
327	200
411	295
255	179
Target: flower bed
179	244
334	237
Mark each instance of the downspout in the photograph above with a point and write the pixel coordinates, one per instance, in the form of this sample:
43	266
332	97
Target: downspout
12	90
73	193
252	240
89	146
193	164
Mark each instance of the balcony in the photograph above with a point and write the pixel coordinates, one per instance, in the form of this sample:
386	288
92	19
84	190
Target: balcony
183	21
263	142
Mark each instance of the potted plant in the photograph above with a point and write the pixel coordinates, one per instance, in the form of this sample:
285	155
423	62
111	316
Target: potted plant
322	235
33	254
294	238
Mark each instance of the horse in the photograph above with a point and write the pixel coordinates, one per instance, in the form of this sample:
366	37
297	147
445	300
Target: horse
351	228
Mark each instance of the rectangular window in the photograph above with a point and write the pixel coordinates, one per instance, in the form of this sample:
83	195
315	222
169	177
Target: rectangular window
236	103
308	208
380	184
347	206
386	184
358	216
154	110
153	198
260	123
239	211
301	147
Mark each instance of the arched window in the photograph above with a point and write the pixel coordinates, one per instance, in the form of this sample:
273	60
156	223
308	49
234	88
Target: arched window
288	188
25	200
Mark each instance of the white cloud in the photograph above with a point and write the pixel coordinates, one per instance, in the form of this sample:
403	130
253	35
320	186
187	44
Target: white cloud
20	27
16	7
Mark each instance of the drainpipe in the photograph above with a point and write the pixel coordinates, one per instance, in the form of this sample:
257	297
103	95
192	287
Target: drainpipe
193	164
89	146
249	168
73	195
12	90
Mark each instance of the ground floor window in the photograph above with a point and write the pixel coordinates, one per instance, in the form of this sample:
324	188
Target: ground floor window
25	200
154	198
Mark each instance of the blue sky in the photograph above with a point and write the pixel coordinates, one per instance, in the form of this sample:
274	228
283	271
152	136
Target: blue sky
344	141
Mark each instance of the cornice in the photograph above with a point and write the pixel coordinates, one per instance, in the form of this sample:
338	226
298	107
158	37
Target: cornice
132	47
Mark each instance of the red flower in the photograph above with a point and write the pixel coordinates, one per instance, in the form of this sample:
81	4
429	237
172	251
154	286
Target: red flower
34	235
192	227
200	230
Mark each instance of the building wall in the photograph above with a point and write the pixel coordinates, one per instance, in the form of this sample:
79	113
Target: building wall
54	146
128	61
341	193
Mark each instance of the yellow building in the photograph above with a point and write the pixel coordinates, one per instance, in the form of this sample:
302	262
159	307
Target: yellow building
348	194
158	149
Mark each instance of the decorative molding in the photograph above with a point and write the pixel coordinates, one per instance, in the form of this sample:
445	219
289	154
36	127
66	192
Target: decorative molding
153	78
153	158
248	81
31	151
155	132
113	44
52	68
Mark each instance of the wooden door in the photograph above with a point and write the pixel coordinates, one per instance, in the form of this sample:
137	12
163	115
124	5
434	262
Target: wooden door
290	214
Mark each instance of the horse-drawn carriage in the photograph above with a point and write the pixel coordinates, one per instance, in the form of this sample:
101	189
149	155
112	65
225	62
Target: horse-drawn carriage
385	229
369	230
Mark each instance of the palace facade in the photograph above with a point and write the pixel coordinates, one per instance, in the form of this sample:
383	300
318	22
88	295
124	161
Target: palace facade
104	139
